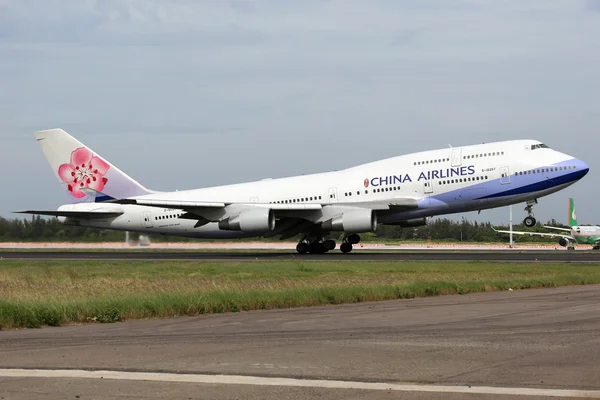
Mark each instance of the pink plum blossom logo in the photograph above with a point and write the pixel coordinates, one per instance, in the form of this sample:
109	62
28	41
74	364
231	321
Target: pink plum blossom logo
84	171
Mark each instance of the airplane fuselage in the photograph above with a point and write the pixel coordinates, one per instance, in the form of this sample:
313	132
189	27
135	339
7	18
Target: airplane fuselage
445	181
586	234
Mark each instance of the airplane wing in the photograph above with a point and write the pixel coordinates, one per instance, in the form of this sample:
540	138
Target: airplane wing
551	235
196	205
293	218
73	214
191	206
557	228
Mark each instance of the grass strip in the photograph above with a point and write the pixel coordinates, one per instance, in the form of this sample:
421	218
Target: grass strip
38	293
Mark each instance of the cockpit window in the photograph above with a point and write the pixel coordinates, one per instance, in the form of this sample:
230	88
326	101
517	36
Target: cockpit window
539	146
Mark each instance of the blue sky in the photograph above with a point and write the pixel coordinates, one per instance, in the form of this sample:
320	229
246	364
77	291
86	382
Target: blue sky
186	94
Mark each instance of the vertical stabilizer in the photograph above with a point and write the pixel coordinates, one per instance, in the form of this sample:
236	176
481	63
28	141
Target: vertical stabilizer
82	172
572	214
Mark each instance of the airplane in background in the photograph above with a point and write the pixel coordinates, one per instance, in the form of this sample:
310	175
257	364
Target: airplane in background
404	190
577	233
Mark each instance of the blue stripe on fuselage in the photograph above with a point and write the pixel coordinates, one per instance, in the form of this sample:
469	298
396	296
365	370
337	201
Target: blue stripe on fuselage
519	184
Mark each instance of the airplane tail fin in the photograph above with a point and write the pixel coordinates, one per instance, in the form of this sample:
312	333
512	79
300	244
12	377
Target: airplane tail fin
572	215
82	172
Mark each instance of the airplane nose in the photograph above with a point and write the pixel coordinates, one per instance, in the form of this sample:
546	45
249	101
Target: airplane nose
582	168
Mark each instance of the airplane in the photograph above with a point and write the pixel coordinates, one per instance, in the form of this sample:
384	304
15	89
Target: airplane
577	233
406	190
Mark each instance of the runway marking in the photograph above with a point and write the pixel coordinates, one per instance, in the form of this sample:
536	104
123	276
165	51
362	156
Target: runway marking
291	382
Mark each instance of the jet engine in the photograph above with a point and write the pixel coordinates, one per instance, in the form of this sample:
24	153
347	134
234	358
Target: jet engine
363	220
563	242
409	223
258	220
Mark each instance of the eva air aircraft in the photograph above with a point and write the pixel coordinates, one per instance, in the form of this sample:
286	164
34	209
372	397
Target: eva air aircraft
578	234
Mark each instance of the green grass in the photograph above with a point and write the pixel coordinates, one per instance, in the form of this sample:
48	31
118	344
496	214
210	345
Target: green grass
37	293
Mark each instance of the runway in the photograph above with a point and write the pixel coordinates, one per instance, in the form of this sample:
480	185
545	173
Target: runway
530	344
361	255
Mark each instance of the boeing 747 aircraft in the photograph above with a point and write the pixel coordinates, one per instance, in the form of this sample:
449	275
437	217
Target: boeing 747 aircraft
404	190
581	234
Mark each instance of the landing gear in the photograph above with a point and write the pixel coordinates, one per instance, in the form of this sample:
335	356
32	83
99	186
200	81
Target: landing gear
346	248
353	238
319	246
316	248
349	240
530	220
329	245
302	247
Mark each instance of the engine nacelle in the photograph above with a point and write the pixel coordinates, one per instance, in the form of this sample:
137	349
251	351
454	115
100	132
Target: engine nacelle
258	220
364	220
409	223
563	242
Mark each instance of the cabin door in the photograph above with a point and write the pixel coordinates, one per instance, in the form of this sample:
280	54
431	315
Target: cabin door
456	158
333	195
146	219
427	187
504	175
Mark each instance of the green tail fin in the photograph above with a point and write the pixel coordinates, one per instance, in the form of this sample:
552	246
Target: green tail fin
572	215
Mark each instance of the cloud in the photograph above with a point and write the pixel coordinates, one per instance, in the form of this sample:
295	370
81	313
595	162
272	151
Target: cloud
309	86
593	5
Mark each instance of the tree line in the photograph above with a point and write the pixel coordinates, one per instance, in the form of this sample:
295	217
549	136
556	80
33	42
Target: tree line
39	229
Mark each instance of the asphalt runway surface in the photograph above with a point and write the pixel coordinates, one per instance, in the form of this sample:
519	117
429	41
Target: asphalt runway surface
530	344
386	255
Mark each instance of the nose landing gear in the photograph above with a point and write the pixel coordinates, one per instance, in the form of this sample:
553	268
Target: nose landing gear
530	220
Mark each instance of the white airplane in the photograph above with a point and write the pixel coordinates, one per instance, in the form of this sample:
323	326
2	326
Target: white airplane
581	234
404	190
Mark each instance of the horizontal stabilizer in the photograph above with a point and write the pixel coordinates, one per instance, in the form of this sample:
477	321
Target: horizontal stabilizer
98	197
73	214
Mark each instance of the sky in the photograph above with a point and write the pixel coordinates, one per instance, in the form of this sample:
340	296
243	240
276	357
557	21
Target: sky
184	94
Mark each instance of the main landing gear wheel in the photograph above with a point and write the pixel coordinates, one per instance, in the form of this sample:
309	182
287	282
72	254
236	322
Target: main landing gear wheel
349	240
315	247
353	238
346	247
329	245
302	247
529	222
